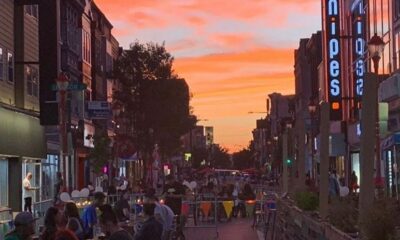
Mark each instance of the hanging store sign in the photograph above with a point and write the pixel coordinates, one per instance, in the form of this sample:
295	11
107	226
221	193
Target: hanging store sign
359	51
333	52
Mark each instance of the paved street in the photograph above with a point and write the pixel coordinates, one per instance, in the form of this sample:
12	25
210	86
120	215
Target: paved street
237	229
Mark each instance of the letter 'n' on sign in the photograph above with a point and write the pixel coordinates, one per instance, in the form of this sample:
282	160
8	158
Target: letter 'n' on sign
332	56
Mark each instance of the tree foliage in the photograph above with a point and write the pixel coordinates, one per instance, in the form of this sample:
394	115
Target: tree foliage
220	158
243	159
154	98
100	154
198	155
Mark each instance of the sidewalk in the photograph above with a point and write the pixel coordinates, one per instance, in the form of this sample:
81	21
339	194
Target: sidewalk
237	229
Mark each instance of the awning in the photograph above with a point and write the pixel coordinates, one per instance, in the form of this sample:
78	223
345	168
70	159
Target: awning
390	140
21	135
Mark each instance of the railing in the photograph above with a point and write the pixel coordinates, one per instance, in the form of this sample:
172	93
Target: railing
293	223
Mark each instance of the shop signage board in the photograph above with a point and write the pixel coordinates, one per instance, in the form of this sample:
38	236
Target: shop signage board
359	49
72	86
99	110
332	56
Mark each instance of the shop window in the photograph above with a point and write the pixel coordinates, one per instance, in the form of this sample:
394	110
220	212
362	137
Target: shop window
10	66
49	176
4	182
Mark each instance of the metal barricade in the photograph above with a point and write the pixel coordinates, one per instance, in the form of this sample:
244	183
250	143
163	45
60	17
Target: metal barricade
201	211
39	210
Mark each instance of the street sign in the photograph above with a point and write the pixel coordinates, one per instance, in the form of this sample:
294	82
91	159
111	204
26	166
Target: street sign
72	86
99	105
99	110
100	114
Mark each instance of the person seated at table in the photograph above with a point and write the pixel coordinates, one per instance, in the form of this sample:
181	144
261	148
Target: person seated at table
24	227
109	225
246	194
122	208
151	228
53	221
65	234
163	214
74	222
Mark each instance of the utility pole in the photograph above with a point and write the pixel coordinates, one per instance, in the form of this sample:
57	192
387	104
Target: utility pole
285	176
324	160
368	123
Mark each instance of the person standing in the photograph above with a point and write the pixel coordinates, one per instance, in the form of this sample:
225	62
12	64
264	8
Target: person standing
89	216
27	192
163	214
334	190
58	187
353	182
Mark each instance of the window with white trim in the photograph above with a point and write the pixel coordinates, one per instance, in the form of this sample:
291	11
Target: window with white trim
32	10
10	67
1	64
32	81
86	47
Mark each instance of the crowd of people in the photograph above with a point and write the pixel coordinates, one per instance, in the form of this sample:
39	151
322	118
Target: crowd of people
63	221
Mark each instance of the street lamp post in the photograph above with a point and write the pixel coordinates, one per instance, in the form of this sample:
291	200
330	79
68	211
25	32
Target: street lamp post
312	108
62	86
375	47
116	110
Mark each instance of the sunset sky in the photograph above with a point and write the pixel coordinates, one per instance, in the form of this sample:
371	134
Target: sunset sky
232	53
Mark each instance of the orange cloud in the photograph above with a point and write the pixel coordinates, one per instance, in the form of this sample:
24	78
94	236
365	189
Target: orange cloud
227	86
245	64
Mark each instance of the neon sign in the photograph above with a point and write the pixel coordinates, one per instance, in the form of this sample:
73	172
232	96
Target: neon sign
333	64
358	25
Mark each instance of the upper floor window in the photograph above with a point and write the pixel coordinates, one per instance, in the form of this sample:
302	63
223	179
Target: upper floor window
86	47
32	81
397	9
10	66
32	10
1	64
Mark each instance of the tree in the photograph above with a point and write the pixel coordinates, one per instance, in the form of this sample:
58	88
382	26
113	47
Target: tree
243	159
220	158
100	154
198	155
154	98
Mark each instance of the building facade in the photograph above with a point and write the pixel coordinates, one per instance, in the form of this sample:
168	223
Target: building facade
22	141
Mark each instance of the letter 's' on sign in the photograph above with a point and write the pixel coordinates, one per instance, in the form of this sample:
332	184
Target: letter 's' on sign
332	57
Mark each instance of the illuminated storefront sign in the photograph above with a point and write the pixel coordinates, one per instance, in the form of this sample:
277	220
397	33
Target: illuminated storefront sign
333	64
358	26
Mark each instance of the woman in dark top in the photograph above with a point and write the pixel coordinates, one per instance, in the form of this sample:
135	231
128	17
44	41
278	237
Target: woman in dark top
74	222
52	221
122	208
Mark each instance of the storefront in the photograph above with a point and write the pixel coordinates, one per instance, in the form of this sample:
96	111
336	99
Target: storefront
22	149
390	161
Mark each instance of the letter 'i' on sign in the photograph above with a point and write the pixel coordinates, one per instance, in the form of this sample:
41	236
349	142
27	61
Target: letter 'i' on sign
332	56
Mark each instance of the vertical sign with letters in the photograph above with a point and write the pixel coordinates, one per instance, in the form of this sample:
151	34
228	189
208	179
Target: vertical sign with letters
333	54
359	49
